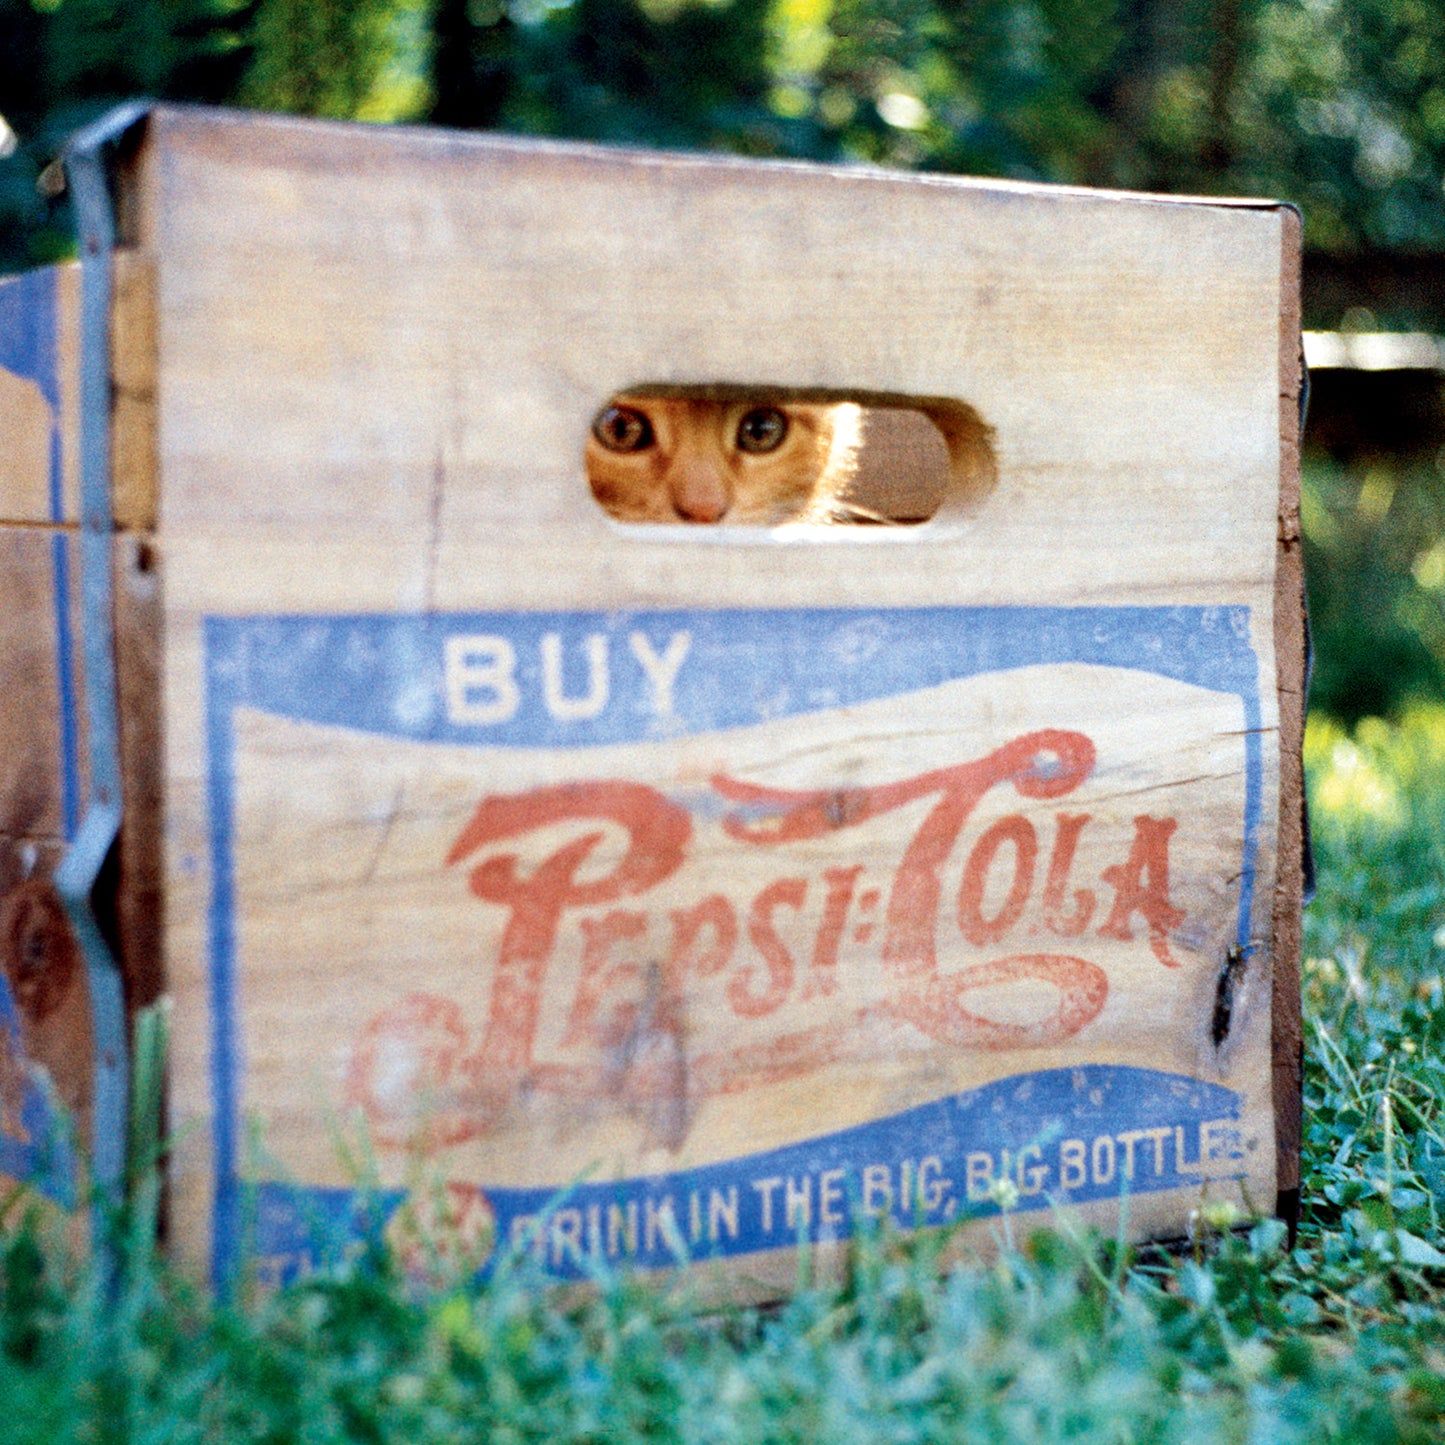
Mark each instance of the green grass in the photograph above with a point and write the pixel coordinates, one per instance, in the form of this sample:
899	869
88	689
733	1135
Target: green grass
1066	1338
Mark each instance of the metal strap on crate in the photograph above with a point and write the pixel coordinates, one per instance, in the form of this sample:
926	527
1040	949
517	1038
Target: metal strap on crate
85	165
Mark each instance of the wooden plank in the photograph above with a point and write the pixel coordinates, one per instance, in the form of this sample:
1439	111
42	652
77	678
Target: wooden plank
41	774
45	1035
46	1043
139	888
39	334
39	395
1039	286
133	410
1289	633
747	876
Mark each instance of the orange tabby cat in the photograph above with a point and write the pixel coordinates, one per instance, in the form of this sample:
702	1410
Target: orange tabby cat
676	459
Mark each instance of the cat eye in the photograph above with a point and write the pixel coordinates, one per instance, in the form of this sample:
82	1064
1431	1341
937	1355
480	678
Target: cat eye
762	430
623	429
768	457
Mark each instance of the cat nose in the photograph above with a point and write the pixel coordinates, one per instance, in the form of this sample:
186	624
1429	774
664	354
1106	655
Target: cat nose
700	493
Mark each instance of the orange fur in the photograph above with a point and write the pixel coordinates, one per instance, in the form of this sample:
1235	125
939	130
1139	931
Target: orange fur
672	459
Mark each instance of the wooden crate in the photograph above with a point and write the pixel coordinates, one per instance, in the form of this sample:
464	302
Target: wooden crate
678	892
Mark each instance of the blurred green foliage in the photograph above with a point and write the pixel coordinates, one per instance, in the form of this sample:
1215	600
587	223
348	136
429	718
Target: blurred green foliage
326	59
1338	104
1375	559
1373	513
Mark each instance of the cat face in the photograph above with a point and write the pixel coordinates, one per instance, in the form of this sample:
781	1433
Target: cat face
675	459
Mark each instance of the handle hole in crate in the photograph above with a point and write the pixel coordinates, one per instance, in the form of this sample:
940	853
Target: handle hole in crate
755	456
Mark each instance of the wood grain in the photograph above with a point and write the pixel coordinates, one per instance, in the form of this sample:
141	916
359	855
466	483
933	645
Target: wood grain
43	737
1289	633
45	1036
133	409
509	272
421	453
838	824
140	888
40	777
39	340
40	431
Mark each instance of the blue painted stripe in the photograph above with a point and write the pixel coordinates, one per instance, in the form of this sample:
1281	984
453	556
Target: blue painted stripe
1021	1144
388	675
47	360
65	681
226	1043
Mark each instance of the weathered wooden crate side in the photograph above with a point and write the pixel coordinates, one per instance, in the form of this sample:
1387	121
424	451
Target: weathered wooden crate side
750	880
45	1035
48	1064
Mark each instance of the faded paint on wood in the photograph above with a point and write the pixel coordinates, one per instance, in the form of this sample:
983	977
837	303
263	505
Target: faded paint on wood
762	876
44	1007
46	1037
748	878
45	1033
47	1070
39	337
